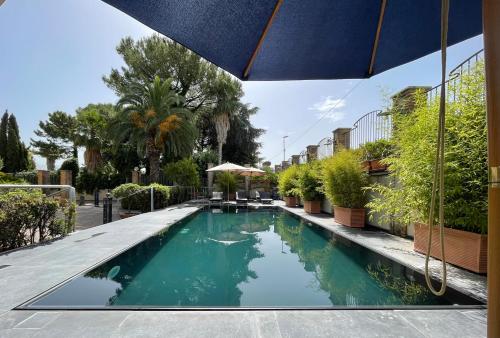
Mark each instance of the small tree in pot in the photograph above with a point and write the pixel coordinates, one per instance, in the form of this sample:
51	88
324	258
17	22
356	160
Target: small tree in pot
288	184
344	182
310	187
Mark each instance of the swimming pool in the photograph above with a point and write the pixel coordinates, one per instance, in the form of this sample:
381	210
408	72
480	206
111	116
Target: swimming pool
240	258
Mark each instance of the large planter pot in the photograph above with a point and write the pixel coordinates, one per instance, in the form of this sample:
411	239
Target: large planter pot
354	218
462	248
375	166
290	201
312	207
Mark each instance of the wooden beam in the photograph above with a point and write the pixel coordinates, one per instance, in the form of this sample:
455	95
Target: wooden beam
491	30
261	39
377	36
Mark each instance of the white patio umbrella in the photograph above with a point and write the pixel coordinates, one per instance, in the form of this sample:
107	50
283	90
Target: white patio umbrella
228	167
252	172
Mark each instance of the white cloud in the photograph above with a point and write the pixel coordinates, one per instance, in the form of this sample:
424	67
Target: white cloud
329	108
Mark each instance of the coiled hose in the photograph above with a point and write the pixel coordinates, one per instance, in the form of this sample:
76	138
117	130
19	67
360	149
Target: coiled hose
438	176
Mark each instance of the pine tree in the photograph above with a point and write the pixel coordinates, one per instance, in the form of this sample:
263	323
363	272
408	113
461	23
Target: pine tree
3	135
16	152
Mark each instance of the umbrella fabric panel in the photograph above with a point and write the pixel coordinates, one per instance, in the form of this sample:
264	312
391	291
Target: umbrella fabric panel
411	29
223	32
321	39
318	40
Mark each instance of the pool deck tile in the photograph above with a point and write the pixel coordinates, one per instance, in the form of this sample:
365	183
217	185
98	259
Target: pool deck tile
34	270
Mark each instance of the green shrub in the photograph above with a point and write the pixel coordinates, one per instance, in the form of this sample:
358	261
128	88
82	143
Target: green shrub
344	180
106	177
407	200
136	197
226	181
28	216
310	186
183	173
30	176
287	181
270	178
377	150
71	164
9	179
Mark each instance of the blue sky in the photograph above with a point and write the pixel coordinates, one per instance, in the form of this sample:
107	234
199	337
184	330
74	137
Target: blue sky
53	54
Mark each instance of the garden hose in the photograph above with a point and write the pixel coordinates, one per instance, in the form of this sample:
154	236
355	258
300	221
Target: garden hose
438	176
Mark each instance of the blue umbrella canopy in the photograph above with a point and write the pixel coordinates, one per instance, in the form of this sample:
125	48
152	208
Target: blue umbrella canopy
300	40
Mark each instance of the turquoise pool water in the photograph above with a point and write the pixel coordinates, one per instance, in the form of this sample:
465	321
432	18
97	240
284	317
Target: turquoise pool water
241	258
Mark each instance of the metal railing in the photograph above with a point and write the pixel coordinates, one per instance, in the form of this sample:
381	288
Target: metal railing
454	76
325	148
373	126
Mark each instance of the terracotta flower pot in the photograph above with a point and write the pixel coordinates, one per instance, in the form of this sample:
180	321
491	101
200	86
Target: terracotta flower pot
462	248
375	165
312	207
365	165
290	201
354	218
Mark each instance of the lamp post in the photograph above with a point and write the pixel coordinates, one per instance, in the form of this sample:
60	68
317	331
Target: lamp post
284	148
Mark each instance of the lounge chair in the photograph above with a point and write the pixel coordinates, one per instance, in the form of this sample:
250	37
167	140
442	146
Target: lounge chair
241	197
216	197
264	197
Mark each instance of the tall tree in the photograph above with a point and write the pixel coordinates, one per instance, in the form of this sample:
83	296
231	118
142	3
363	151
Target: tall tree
153	117
227	91
59	130
3	135
91	132
242	144
16	155
191	76
48	150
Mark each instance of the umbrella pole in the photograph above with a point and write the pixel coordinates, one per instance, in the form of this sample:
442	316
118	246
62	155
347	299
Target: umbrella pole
491	30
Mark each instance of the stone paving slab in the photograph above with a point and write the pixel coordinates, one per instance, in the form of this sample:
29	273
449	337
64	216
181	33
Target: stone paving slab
400	250
328	323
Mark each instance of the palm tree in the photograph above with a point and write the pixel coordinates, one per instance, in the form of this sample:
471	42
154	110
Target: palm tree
227	93
49	150
152	116
92	122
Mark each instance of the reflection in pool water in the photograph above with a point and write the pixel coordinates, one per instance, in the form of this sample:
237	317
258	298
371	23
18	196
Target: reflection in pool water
264	258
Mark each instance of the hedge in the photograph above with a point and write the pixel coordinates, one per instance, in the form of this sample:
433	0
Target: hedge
28	216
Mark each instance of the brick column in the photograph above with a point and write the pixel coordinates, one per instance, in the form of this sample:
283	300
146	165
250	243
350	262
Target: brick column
404	100
341	139
65	178
43	177
277	168
295	159
312	153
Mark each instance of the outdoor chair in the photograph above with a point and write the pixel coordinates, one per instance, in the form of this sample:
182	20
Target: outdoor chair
264	197
216	197
241	197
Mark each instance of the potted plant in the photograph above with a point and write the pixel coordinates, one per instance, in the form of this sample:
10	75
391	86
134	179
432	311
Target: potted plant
310	187
226	182
466	175
374	152
344	183
287	185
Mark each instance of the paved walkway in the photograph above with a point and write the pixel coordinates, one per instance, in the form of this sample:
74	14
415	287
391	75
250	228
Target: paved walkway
30	271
